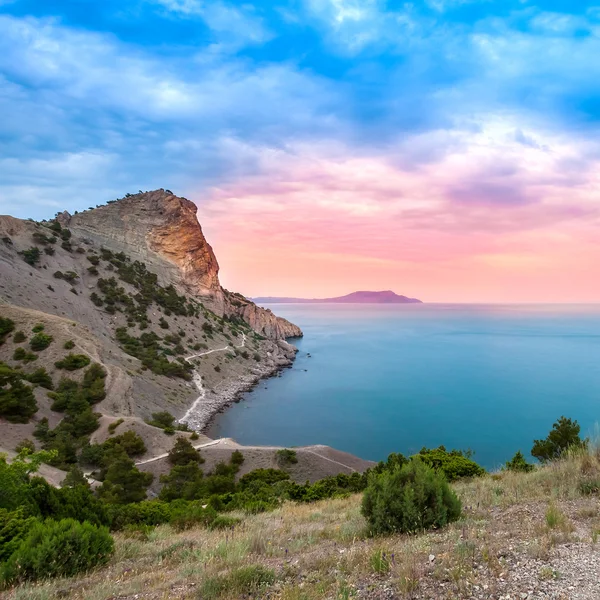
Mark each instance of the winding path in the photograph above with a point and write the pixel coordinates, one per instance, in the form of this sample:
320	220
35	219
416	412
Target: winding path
197	379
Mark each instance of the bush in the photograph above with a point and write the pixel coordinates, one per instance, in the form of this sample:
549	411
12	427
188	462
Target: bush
454	464
162	419
409	499
40	341
130	441
183	453
72	362
518	464
41	377
22	354
113	426
37	327
286	457
19	337
17	401
57	549
239	583
31	256
237	458
69	345
25	444
564	435
6	326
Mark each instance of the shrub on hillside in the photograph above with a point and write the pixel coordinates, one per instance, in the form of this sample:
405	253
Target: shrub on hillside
183	453
19	337
40	341
41	377
72	362
409	499
6	326
564	435
455	464
130	441
285	456
17	401
57	549
518	464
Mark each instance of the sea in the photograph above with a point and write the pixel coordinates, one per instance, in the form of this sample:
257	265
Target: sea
374	379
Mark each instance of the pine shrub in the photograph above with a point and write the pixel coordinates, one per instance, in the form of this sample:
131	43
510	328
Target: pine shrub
57	549
409	499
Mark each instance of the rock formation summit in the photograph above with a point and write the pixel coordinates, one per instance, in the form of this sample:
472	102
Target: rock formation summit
162	230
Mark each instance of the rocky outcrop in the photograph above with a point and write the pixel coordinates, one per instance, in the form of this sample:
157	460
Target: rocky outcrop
263	321
162	230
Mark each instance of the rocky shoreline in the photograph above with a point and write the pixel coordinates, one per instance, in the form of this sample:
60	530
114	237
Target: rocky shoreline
214	402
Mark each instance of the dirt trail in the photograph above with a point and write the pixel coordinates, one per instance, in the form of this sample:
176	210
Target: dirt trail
198	378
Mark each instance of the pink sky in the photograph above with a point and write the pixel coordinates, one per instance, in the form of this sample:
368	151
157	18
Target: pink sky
490	220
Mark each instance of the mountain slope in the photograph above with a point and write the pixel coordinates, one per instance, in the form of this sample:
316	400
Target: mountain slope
133	288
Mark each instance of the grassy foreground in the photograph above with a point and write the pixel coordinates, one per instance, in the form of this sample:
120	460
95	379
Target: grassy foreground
522	535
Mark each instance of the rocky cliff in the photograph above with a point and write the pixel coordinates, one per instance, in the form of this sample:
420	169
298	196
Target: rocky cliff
161	230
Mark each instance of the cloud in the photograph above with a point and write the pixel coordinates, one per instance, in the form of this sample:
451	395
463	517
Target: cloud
233	27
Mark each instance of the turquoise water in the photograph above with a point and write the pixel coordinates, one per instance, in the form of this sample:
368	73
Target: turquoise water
384	379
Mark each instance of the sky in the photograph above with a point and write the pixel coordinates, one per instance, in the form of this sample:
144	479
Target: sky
444	149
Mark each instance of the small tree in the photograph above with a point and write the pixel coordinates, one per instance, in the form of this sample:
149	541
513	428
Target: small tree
17	402
183	453
564	435
409	499
518	464
123	482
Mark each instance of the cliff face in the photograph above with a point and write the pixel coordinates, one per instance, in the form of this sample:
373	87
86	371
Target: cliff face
162	230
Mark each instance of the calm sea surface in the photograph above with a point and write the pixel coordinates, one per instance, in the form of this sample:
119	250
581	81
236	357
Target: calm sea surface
395	378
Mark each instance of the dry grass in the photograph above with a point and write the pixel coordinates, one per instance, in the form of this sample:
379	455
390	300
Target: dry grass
318	551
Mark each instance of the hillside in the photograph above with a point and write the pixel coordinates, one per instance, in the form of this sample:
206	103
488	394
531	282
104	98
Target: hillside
522	536
385	297
133	288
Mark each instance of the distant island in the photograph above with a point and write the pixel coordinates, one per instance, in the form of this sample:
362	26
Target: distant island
385	297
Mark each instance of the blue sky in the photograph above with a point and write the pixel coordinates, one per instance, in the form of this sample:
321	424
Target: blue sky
212	99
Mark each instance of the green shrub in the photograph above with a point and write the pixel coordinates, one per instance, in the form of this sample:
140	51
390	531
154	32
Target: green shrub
239	583
19	337
518	464
224	522
69	345
564	435
123	482
454	464
57	549
40	341
162	419
72	362
31	256
130	441
6	326
409	499
41	377
25	445
22	354
113	426
37	327
17	401
14	527
237	458
285	456
183	453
